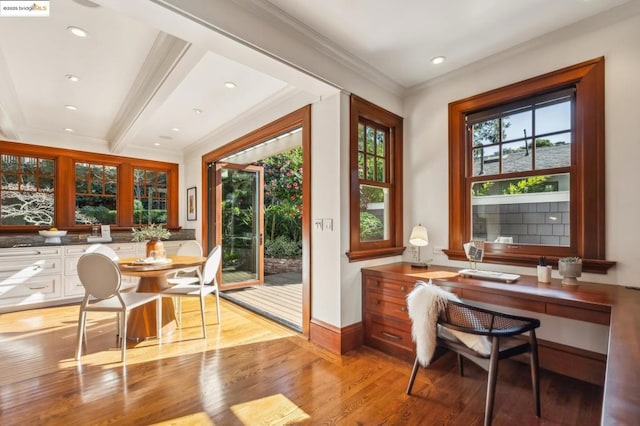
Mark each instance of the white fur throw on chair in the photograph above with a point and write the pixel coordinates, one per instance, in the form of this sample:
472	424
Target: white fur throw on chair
425	302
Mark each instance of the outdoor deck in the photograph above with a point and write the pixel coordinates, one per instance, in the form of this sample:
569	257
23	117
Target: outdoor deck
279	299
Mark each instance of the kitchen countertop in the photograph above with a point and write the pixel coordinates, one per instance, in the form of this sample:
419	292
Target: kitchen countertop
35	240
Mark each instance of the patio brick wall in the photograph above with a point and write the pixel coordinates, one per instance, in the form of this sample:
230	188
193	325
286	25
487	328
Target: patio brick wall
280	266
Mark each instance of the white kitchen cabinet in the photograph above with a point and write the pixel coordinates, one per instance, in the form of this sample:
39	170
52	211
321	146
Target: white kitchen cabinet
33	277
29	275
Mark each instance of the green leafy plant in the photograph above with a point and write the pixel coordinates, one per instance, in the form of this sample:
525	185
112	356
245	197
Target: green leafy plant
571	259
371	228
282	247
154	231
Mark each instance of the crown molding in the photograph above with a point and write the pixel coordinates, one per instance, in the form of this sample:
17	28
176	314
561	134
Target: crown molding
322	44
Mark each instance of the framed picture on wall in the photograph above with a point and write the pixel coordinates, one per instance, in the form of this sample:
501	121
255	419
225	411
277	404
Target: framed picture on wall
192	203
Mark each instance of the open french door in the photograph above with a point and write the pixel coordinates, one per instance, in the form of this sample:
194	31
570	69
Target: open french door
239	228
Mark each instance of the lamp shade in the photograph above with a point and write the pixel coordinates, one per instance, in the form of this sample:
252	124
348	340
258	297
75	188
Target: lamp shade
419	236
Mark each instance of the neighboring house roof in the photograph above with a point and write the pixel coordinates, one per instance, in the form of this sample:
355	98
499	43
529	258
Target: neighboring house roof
547	157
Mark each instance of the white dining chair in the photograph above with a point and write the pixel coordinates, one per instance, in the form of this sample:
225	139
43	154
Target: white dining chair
190	275
190	248
101	279
207	284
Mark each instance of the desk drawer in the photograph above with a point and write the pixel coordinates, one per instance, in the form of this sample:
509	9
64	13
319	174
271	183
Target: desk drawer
389	336
385	304
510	301
589	315
401	288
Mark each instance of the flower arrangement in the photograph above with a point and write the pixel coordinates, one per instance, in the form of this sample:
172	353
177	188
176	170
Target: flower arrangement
152	232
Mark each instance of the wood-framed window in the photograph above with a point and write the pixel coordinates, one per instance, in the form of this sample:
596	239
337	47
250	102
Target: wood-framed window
526	170
96	193
27	185
375	167
78	188
149	196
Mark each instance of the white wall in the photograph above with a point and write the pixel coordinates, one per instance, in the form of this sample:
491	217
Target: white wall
326	121
426	137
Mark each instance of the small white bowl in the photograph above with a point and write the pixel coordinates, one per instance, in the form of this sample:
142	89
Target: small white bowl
52	237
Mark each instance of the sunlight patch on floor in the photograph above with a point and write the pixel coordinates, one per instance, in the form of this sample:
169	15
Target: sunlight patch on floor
197	419
270	410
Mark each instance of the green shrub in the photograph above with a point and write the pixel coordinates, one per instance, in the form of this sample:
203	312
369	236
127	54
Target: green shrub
282	247
371	227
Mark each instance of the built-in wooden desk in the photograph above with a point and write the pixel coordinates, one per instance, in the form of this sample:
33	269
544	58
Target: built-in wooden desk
385	322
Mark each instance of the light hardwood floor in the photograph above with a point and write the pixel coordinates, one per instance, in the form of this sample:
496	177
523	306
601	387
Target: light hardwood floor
249	371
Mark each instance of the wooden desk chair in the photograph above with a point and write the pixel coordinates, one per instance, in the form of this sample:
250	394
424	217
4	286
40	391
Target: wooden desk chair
101	279
501	329
207	285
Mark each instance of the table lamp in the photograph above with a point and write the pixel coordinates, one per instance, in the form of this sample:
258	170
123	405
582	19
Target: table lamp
419	238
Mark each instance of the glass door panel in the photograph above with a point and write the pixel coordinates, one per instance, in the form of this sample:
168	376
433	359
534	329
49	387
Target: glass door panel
239	224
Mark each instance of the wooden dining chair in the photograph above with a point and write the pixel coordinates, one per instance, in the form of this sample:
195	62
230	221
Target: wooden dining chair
207	284
101	279
460	322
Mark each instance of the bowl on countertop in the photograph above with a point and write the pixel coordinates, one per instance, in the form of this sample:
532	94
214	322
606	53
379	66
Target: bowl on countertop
52	237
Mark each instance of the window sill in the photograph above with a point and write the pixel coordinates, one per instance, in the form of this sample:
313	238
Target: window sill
595	266
357	256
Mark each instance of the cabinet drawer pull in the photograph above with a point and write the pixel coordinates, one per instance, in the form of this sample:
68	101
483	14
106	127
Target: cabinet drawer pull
378	301
403	309
37	288
403	288
390	336
377	283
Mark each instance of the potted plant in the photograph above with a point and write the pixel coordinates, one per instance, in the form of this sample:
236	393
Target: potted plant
153	234
570	268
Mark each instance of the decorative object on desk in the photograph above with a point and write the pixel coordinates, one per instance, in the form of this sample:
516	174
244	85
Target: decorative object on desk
52	235
489	275
154	233
192	203
475	251
544	271
570	268
419	238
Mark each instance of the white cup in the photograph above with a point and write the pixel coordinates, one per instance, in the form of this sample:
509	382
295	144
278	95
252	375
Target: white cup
544	274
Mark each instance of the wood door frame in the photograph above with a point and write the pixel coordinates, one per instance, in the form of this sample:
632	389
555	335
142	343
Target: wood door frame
218	200
299	118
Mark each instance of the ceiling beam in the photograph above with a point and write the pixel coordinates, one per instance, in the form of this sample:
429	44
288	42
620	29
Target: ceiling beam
163	58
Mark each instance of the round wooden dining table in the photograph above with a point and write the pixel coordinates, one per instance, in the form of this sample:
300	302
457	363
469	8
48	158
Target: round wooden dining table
153	279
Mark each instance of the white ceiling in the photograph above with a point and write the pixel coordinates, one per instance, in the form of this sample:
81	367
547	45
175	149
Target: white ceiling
138	83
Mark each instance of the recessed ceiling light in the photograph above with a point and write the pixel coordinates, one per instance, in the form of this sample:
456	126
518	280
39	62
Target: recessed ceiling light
71	107
175	129
72	77
197	111
156	143
77	31
438	60
68	130
230	85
